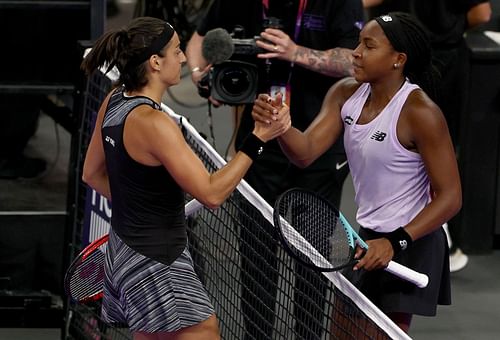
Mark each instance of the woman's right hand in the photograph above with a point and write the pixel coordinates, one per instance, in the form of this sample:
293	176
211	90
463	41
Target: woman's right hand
272	117
265	108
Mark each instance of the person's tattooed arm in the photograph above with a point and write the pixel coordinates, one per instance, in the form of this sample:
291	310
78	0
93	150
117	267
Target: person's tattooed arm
336	62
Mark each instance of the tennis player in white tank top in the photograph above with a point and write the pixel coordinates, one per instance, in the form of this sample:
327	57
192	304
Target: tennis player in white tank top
390	181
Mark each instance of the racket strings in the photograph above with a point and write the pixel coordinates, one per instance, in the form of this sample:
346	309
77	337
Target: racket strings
86	279
314	231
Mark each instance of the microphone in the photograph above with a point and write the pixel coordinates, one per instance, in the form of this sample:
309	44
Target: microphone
217	46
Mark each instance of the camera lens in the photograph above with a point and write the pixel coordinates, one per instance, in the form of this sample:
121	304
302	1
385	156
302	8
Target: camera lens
234	82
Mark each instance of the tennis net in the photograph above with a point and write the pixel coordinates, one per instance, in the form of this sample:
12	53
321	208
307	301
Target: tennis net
258	291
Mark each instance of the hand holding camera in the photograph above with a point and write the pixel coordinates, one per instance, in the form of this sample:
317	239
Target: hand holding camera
277	44
200	77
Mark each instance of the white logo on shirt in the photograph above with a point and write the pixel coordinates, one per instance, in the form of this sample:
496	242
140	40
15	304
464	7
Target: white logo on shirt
110	141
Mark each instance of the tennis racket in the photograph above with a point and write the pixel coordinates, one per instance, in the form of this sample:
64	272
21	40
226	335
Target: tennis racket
84	278
316	234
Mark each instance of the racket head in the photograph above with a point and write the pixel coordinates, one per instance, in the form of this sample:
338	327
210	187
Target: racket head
304	220
84	278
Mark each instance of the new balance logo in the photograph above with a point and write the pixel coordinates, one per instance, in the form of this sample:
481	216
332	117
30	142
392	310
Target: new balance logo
379	136
110	141
348	120
403	244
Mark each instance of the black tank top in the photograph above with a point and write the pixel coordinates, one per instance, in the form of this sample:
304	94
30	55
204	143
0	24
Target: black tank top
148	205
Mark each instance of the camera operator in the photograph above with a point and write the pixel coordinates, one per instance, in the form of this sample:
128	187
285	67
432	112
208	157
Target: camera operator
301	59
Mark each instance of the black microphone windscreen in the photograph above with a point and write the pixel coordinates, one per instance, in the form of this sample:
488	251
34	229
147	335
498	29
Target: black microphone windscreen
217	46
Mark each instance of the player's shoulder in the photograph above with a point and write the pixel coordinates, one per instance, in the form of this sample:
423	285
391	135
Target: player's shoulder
421	112
149	117
419	103
345	88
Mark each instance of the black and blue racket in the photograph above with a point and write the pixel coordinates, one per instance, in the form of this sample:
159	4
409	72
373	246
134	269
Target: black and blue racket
315	233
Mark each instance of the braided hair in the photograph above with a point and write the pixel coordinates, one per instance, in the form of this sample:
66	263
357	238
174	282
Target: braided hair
128	49
407	35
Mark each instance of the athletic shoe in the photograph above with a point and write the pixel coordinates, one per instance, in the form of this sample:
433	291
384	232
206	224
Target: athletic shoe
458	260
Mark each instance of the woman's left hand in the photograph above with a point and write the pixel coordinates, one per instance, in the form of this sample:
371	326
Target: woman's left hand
266	109
272	115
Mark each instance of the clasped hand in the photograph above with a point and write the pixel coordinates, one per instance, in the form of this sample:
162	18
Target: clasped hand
272	115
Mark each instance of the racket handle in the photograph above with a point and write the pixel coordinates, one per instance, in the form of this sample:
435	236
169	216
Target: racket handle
419	279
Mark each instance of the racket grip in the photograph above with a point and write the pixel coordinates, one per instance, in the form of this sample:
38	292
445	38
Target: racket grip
419	279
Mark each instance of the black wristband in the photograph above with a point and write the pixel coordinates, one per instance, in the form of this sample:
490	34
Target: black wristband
252	146
400	240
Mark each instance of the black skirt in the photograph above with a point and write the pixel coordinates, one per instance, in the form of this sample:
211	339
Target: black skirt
428	255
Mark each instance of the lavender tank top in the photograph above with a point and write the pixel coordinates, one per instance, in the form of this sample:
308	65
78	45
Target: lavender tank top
390	182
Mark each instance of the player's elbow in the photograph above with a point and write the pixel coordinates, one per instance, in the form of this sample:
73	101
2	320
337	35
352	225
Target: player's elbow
92	177
212	205
212	201
88	177
479	14
485	16
455	201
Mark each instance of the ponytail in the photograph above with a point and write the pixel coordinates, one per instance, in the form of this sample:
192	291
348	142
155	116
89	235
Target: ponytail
127	49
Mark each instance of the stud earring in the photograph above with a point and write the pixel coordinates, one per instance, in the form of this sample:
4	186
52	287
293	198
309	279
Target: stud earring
395	66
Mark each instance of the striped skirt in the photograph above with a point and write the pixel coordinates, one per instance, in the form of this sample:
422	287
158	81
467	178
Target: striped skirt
149	296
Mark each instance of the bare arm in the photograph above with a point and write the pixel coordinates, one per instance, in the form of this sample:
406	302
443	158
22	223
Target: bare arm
195	61
432	140
479	14
153	138
335	62
303	148
95	173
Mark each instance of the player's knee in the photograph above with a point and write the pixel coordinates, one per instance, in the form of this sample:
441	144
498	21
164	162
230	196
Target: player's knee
205	330
211	328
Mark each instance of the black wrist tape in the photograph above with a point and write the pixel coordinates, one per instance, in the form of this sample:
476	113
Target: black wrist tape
252	146
400	240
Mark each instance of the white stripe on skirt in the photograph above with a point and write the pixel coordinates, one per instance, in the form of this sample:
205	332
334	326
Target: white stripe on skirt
149	296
